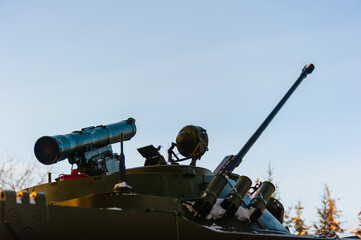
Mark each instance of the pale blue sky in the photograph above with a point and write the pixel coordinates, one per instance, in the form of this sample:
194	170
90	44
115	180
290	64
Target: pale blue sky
222	65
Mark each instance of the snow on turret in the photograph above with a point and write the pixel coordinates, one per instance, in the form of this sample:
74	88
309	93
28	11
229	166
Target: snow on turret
244	214
217	211
120	185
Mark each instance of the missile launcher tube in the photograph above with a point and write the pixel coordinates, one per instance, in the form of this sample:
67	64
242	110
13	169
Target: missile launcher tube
49	150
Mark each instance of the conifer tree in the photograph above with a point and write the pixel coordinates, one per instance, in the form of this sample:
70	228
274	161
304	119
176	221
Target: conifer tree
328	226
298	223
357	231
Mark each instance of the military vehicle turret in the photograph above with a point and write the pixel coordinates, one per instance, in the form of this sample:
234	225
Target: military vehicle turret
163	199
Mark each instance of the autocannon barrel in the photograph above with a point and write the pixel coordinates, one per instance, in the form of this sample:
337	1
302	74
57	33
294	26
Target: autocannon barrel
49	150
230	164
204	204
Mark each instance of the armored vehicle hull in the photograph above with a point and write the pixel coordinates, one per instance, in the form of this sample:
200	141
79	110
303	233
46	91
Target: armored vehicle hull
161	200
158	207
